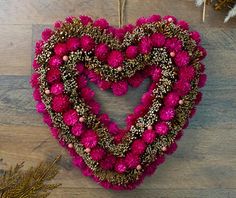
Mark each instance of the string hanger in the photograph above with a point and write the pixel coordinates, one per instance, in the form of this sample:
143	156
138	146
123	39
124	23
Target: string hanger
121	6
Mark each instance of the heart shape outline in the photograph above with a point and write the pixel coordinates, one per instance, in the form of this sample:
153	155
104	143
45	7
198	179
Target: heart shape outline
127	181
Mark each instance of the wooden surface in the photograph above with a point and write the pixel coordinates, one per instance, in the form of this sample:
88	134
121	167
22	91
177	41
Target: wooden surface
203	166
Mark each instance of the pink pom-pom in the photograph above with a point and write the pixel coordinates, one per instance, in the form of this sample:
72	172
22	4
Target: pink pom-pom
158	40
182	59
156	75
87	93
136	80
167	113
35	65
154	18
104	118
113	128
87	43
104	85
40	107
108	162
81	81
173	44
60	49
149	136
77	129
102	51
187	73
115	58
138	147
170	18
55	61
120	166
39	47
73	44
182	87
162	128
120	88
145	45
97	154
132	160
46	34
147	98
85	20
131	52
183	24
53	75
70	117
195	36
198	98
58	24
34	80
171	100
101	23
37	95
57	88
60	103
202	80
89	139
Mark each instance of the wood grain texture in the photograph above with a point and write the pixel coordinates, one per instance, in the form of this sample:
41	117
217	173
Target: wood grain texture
204	164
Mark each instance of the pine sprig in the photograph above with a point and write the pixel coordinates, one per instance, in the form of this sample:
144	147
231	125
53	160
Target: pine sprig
32	183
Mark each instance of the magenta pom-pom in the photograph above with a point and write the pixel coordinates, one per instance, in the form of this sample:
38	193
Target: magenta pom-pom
167	113
115	58
97	154
55	61
77	129
131	52
145	45
101	23
158	39
46	34
149	136
120	88
60	49
87	43
73	44
162	128
60	103
70	117
138	147
101	51
89	139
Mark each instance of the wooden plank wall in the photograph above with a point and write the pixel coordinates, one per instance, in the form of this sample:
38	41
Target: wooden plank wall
205	163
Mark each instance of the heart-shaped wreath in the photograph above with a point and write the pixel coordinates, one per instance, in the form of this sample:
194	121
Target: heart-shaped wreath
81	49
